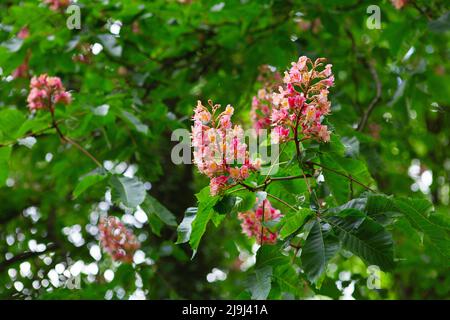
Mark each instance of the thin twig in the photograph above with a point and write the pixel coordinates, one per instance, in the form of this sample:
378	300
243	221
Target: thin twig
282	201
343	175
72	142
25	256
375	100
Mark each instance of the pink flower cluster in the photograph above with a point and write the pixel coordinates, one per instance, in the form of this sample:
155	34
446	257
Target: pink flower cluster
261	104
46	92
119	242
300	105
220	151
22	70
57	5
252	222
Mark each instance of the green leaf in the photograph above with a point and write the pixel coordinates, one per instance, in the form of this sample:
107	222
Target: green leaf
225	205
245	200
364	237
357	203
270	255
339	185
185	227
381	208
287	279
86	182
416	211
320	246
205	212
10	122
140	127
155	224
442	24
335	146
130	191
153	206
293	222
351	145
5	153
13	44
260	283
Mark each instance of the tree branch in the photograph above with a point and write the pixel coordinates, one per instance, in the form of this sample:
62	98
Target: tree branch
375	100
25	256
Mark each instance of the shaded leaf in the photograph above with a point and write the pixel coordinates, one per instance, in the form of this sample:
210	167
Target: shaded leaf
320	246
205	212
293	222
153	206
260	283
365	238
185	227
86	182
130	191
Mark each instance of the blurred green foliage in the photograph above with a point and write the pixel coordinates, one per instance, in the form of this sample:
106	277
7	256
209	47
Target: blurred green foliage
390	107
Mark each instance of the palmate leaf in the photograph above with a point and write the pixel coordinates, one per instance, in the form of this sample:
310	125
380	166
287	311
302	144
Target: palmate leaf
205	212
130	191
364	237
320	246
416	211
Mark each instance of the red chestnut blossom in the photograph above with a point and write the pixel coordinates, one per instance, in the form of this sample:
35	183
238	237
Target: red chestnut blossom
252	222
119	242
300	105
220	151
57	5
261	104
46	92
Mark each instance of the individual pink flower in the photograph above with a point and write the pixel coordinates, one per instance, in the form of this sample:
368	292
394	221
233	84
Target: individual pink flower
46	92
119	242
261	110
21	71
398	4
220	151
23	33
279	115
217	184
57	5
251	222
280	134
